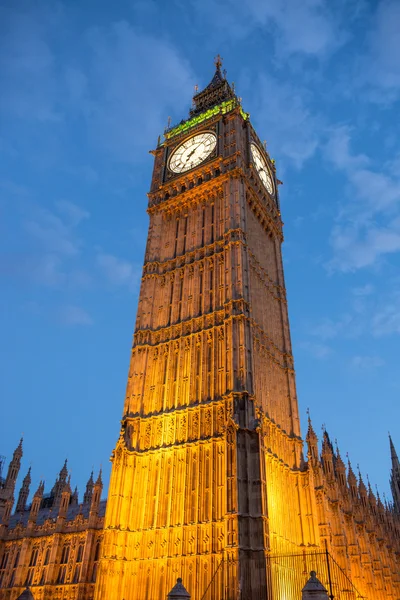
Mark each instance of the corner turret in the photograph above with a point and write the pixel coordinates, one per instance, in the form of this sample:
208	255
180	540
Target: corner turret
7	491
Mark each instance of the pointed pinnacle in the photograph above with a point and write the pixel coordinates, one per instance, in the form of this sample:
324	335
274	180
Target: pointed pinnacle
393	452
99	480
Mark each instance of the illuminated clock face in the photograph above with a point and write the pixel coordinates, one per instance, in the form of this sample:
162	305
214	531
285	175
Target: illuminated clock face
192	152
262	168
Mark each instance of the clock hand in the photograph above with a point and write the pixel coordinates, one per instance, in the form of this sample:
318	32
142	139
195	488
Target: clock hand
193	151
190	154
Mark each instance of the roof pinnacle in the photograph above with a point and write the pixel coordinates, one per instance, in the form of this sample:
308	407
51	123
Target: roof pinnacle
218	62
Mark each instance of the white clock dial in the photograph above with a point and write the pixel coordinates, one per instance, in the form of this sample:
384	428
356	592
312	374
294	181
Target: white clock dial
192	152
262	168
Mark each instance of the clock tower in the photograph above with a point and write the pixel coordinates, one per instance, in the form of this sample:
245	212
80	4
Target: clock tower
207	477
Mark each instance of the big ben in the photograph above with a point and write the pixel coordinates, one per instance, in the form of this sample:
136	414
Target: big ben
209	450
209	479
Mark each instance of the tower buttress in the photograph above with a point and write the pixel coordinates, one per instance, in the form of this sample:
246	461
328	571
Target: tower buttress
87	497
65	498
327	457
7	493
352	482
97	489
312	442
395	477
24	492
36	502
59	485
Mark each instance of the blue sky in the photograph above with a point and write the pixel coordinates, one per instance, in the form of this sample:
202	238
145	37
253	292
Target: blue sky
86	88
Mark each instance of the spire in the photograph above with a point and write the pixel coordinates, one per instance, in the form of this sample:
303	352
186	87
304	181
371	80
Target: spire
217	91
74	497
351	479
312	440
13	471
36	502
40	490
87	496
340	468
99	480
327	456
24	492
64	471
362	490
393	455
18	450
395	477
95	501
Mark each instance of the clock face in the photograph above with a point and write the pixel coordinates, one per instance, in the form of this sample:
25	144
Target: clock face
192	152
262	168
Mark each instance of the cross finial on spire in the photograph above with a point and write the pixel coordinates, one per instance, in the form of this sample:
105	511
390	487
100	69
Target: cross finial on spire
218	61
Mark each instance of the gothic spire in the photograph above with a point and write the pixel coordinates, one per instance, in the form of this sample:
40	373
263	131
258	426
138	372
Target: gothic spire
312	440
99	480
393	454
24	492
395	476
87	496
18	450
64	471
217	91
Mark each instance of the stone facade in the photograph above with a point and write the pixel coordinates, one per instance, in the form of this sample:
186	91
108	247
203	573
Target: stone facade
53	545
209	479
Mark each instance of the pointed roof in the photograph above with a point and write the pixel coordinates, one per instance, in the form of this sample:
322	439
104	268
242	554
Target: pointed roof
339	464
311	435
217	91
393	454
26	595
64	471
18	450
99	480
351	476
90	480
178	591
314	585
27	478
40	490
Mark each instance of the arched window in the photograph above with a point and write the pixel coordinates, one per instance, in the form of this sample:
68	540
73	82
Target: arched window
4	560
97	552
77	573
34	556
65	555
79	555
47	557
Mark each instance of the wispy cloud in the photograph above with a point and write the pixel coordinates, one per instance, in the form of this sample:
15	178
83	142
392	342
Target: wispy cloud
74	315
381	68
386	321
310	27
368	224
285	114
316	349
74	213
118	271
367	362
56	232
